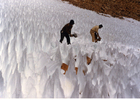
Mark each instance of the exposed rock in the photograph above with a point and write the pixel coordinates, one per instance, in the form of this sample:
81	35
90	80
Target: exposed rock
88	60
64	67
115	8
76	68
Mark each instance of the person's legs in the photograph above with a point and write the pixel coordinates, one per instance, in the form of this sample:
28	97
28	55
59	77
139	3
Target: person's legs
96	36
68	39
62	37
93	37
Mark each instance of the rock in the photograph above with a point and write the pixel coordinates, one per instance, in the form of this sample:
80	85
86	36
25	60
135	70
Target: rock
64	67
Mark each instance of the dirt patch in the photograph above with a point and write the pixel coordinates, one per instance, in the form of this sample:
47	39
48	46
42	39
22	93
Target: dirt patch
64	67
88	60
76	69
115	8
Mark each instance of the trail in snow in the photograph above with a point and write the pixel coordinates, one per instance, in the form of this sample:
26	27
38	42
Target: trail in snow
31	55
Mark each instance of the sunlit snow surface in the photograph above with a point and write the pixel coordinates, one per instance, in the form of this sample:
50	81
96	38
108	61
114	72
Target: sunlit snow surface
31	55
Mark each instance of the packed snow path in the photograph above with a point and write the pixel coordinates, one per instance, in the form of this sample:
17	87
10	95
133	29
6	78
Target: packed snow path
31	55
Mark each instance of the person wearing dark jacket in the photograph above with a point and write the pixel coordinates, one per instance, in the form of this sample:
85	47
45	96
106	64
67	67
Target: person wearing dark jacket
66	32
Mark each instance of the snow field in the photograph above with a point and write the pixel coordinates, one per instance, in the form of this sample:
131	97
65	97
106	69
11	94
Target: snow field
31	55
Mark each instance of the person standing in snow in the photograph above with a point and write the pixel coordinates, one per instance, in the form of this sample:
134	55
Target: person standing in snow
66	32
94	33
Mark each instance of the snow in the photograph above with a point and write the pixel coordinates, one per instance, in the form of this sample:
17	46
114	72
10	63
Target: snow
31	54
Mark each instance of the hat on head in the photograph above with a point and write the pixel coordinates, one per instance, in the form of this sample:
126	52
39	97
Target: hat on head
71	22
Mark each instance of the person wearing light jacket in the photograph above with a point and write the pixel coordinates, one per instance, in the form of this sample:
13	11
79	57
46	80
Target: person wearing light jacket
94	33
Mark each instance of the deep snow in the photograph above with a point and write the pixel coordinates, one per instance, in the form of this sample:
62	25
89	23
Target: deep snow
31	55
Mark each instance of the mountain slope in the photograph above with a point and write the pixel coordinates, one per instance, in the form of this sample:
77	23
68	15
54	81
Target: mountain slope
115	8
31	54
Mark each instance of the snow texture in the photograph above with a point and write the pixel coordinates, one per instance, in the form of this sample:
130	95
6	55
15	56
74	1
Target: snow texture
31	54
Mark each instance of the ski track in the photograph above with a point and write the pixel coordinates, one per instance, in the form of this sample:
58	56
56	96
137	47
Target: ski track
31	55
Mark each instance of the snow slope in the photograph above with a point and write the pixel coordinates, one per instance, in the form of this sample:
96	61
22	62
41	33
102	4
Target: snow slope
31	55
